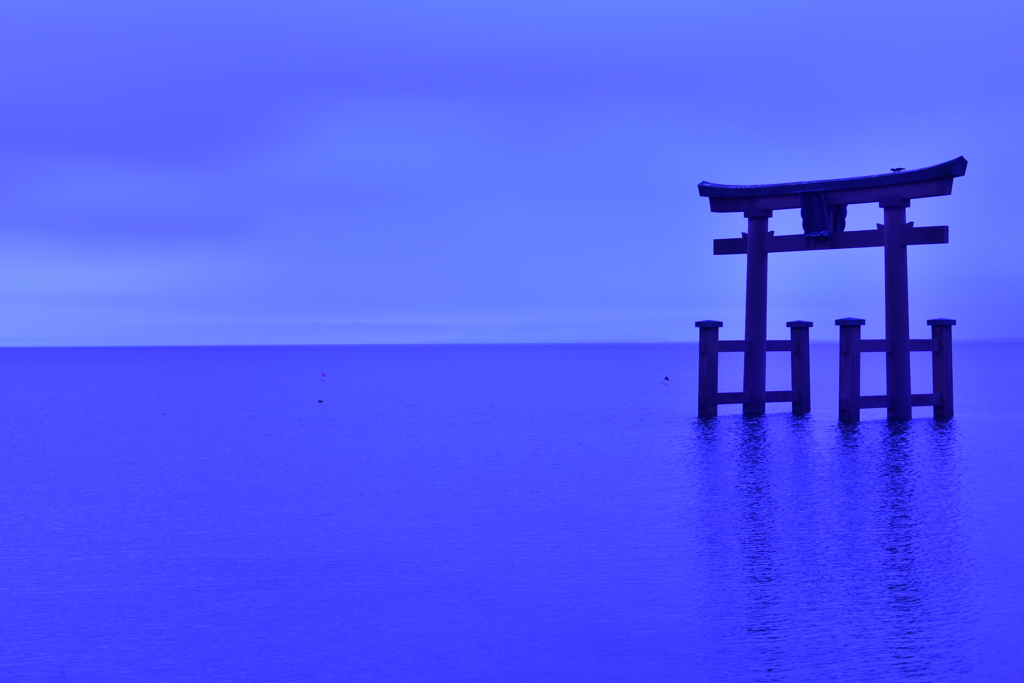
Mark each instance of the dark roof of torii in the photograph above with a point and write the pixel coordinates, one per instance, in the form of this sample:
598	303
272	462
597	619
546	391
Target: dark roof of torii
955	168
932	181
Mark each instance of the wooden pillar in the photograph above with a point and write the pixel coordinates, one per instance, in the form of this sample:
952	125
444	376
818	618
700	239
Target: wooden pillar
897	314
942	366
756	324
800	364
849	368
707	376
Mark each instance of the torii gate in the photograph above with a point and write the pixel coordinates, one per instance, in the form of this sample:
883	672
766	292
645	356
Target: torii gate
822	205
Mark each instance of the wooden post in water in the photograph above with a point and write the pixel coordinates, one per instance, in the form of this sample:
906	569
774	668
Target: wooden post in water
707	378
756	328
897	314
942	366
849	368
800	364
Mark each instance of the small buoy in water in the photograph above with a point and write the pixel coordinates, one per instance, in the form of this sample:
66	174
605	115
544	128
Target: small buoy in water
664	380
320	401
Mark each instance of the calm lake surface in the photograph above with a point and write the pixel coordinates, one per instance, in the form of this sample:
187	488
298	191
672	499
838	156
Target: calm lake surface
532	513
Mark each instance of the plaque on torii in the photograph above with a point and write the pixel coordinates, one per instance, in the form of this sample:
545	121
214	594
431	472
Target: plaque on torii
822	205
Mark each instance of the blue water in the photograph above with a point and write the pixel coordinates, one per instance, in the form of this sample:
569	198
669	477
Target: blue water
523	513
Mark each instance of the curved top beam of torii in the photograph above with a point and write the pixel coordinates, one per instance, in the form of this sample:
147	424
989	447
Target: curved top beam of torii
932	181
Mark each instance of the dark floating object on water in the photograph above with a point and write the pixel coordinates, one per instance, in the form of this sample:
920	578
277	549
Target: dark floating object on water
666	379
897	169
320	401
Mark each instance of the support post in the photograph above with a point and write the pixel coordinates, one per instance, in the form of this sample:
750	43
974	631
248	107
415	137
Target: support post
942	366
849	369
897	314
800	364
756	328
707	376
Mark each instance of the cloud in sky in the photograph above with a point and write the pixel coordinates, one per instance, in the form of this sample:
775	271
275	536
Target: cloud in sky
269	172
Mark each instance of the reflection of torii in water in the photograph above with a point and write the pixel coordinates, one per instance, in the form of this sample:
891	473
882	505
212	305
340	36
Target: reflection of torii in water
822	205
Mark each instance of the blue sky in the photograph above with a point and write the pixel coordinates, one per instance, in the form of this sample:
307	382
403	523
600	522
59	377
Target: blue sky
391	171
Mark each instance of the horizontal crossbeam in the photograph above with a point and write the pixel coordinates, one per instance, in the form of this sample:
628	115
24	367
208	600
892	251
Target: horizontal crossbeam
932	234
916	400
733	345
882	345
780	345
727	397
740	345
864	345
